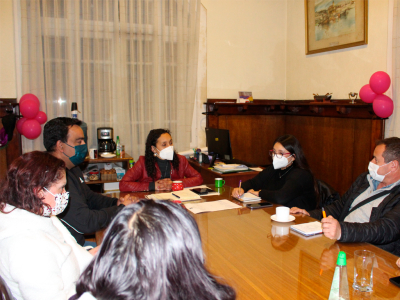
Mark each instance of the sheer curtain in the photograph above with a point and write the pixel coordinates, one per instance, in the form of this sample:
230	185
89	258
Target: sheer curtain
129	64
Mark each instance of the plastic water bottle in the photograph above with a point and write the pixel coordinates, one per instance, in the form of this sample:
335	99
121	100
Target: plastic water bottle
131	163
340	284
118	151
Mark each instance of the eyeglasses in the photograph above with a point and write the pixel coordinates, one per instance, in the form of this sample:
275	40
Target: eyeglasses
277	155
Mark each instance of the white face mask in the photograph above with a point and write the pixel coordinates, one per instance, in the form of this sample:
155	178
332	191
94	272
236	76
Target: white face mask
167	153
280	162
61	204
373	171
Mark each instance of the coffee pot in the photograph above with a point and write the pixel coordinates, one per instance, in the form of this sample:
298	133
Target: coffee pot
105	142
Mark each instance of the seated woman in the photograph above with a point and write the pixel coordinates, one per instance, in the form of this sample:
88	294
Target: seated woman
159	167
39	259
151	250
288	181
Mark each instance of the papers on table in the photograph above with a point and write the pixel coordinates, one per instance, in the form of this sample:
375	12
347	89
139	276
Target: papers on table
308	229
184	195
228	168
257	169
197	208
248	197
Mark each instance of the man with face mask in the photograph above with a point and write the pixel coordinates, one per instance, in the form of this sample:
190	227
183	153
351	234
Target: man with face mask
370	210
87	211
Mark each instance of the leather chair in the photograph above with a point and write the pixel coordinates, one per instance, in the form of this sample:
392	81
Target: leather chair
5	293
327	194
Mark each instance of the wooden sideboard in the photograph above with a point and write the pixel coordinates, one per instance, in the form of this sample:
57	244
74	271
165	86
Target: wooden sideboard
338	137
13	149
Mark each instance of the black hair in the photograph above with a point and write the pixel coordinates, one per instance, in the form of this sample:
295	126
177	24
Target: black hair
392	149
291	144
150	159
57	130
151	250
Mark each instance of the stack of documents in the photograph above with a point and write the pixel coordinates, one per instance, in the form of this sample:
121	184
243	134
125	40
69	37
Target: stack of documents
197	208
308	229
229	168
248	197
184	195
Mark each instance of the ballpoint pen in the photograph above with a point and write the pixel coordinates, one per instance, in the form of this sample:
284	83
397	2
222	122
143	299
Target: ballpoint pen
240	186
175	195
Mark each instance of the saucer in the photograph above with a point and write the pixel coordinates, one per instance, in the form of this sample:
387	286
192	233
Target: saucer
291	218
108	155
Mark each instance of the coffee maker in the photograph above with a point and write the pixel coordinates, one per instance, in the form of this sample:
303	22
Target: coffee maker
105	136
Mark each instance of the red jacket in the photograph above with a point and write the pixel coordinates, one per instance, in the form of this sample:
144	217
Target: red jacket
137	180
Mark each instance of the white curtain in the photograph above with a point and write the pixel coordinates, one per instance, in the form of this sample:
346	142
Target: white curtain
393	123
129	64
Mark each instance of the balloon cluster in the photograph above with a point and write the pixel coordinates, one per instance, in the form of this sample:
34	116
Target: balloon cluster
29	125
373	93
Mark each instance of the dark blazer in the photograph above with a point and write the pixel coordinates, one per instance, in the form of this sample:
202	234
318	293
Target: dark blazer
383	228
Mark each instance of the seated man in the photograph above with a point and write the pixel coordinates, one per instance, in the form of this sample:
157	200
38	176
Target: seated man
369	212
87	211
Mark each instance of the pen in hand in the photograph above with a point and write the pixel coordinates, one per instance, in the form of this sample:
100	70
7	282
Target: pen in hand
240	186
323	213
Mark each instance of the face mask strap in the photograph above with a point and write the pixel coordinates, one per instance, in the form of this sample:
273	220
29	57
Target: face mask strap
49	191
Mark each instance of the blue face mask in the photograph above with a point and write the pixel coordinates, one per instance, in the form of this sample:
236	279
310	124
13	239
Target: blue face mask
80	154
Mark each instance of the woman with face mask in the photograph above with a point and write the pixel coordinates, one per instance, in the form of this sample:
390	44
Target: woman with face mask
288	181
39	258
159	167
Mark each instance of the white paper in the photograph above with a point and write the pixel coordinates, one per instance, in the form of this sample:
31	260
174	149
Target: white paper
257	169
197	208
183	195
310	228
248	197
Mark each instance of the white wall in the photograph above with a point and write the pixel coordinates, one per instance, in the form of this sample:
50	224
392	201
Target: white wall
246	45
338	72
7	51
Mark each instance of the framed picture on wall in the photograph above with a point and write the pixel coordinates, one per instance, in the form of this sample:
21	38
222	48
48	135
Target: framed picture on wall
335	24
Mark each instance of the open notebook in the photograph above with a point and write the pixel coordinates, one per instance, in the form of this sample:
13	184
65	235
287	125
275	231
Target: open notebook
248	197
307	229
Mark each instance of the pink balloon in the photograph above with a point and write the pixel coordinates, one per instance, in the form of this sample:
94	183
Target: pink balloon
29	108
20	122
31	129
41	117
383	106
379	82
367	94
29	97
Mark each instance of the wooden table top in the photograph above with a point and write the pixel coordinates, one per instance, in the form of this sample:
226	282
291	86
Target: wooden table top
262	259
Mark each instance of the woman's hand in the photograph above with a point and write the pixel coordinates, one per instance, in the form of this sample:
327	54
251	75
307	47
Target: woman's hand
237	192
127	199
296	210
254	192
398	262
94	250
163	184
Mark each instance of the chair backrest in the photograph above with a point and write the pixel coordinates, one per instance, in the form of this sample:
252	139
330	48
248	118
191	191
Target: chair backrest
327	194
5	293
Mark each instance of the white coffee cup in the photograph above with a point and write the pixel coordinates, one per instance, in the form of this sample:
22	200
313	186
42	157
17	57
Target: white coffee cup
282	214
93	153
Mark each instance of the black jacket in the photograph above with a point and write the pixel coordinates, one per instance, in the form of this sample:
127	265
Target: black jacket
87	211
289	187
383	228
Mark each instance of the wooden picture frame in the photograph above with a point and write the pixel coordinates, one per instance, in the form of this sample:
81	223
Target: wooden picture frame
338	24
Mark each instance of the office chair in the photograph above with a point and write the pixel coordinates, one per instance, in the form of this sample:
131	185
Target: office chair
326	194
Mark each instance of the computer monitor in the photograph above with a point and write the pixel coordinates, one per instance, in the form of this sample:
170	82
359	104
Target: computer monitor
219	143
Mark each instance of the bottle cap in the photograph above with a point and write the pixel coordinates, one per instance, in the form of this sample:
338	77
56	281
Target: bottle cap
131	160
341	260
74	106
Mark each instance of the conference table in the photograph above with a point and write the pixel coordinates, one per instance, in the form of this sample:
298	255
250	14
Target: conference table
264	259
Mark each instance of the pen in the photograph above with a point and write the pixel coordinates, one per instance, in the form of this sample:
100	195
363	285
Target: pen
323	213
240	186
176	195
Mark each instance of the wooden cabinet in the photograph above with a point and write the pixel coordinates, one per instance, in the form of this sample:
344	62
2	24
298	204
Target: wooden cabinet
338	137
13	149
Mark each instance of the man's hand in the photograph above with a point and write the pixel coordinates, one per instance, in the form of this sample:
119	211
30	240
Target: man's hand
331	228
127	199
296	210
237	192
